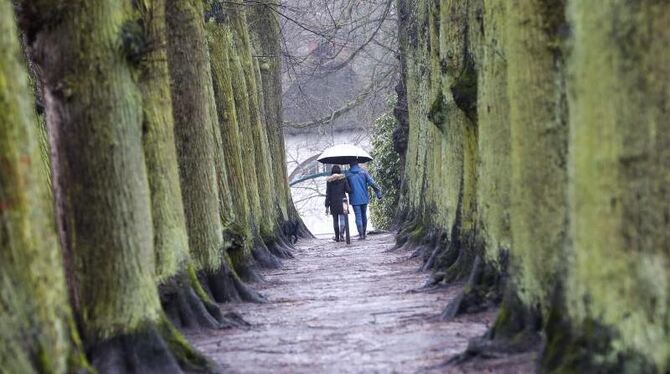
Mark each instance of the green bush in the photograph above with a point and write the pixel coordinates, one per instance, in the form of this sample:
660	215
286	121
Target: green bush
385	169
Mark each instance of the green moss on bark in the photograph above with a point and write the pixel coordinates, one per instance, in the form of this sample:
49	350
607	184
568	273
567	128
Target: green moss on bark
188	59
32	282
94	114
220	47
620	163
573	188
167	209
538	150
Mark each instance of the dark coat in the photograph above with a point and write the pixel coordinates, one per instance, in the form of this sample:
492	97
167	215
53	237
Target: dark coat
336	186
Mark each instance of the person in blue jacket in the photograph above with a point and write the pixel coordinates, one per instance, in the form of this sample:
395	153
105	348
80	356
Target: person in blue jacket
359	181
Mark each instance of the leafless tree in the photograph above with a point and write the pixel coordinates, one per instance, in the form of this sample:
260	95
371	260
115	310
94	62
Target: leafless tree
340	61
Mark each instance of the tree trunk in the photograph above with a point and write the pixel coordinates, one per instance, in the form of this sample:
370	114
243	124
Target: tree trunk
249	151
89	57
494	184
185	307
198	147
170	237
539	130
190	73
34	296
220	48
262	160
265	36
620	169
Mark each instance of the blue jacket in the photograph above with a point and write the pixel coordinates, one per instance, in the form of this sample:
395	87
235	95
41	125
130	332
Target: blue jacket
359	180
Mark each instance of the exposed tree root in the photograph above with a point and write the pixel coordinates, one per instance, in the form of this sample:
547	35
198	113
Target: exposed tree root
243	263
303	232
454	262
402	216
188	306
436	242
263	256
516	330
224	286
577	350
155	348
482	291
458	270
185	308
278	249
248	272
409	232
566	349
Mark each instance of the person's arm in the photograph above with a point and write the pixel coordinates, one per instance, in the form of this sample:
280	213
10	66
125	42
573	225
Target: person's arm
370	182
347	186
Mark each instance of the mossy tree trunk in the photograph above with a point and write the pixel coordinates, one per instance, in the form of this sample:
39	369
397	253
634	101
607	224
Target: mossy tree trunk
571	156
220	47
248	144
170	237
202	167
186	307
266	38
620	167
261	154
494	184
33	292
89	58
188	60
539	135
439	194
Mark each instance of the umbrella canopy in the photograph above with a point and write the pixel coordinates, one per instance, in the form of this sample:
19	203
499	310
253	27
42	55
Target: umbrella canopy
344	154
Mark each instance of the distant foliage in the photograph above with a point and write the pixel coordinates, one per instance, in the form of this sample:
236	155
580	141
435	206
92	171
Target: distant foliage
385	169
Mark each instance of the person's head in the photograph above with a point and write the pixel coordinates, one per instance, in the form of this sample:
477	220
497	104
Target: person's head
336	170
353	164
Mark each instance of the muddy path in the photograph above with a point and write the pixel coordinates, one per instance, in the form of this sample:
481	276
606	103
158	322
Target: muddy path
338	308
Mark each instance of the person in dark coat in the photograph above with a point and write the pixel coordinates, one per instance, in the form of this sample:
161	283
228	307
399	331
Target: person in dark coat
336	186
360	180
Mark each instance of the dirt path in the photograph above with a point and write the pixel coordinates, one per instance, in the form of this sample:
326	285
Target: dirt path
338	308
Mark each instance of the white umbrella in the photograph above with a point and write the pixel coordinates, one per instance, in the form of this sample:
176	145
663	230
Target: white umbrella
342	154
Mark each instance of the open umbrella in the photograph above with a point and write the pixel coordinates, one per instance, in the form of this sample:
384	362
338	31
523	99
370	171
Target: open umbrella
342	154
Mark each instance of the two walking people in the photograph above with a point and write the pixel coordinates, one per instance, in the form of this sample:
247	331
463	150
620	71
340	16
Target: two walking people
355	183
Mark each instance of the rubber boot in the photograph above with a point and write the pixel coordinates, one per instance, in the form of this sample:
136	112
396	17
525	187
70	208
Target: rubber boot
361	233
365	231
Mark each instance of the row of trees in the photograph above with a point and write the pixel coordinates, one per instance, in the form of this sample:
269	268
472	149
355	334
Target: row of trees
167	171
537	168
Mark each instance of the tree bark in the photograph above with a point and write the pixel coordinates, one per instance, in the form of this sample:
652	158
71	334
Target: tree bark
265	36
170	237
188	60
202	167
32	280
262	160
89	56
185	307
539	135
620	167
220	48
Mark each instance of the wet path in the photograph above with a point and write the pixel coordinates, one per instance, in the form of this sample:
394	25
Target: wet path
338	308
